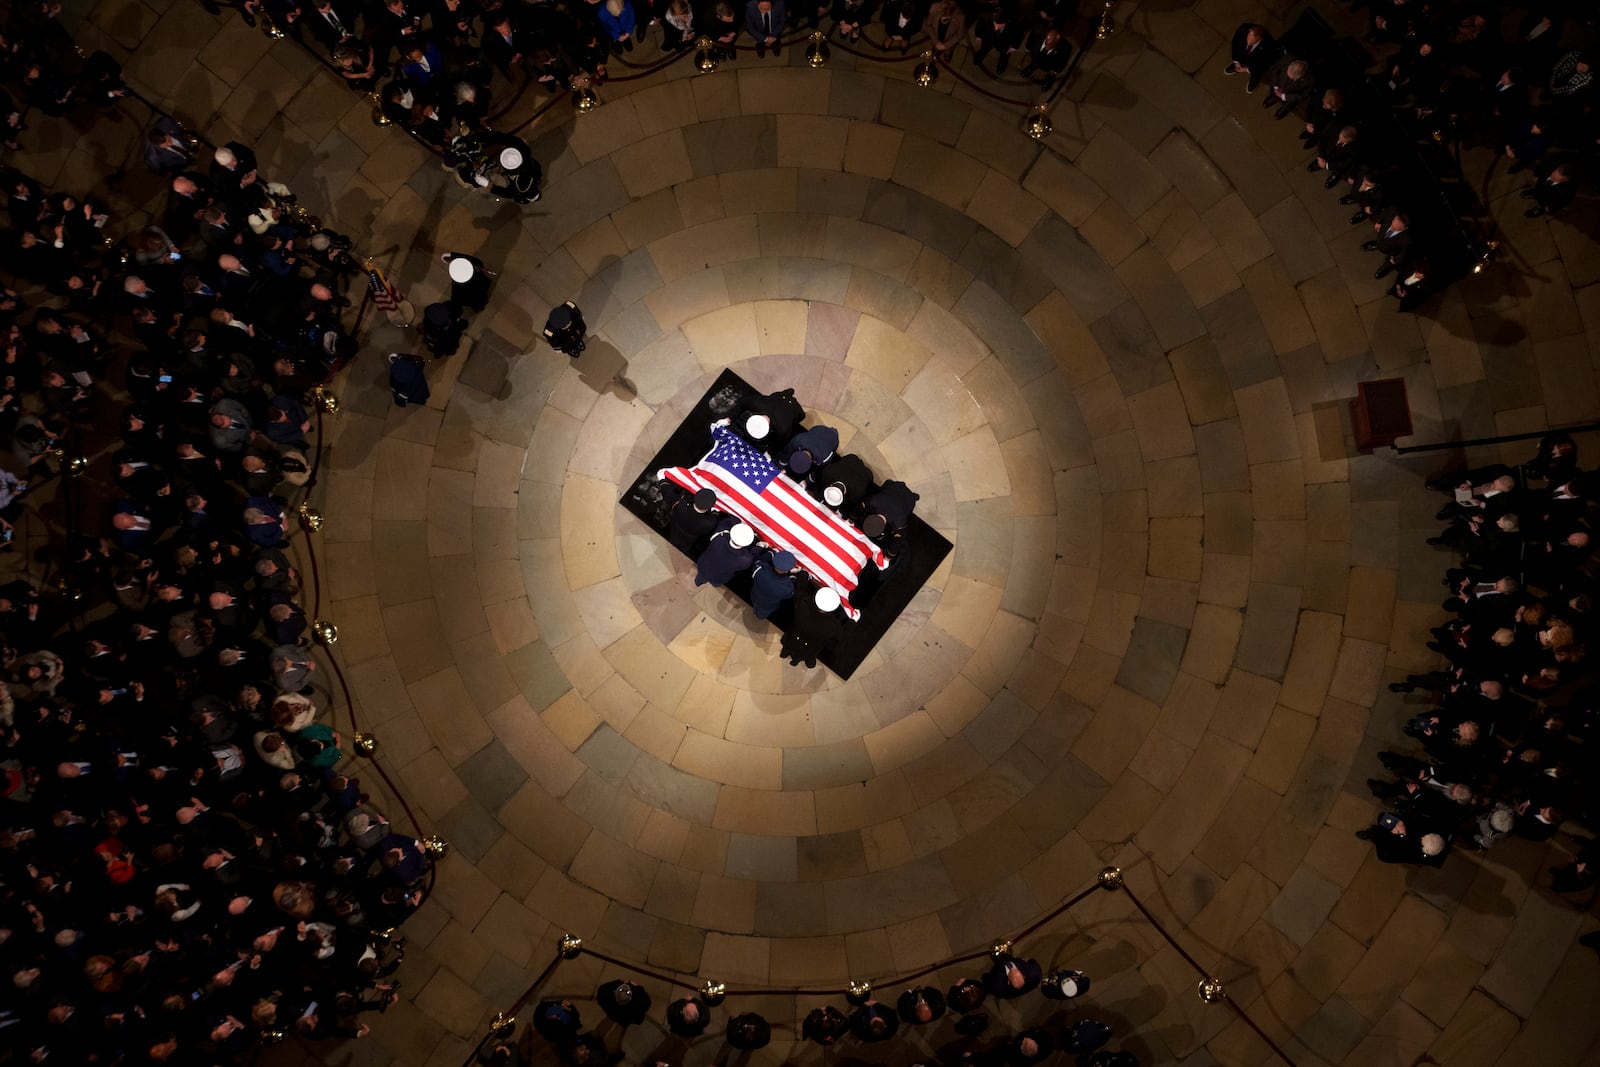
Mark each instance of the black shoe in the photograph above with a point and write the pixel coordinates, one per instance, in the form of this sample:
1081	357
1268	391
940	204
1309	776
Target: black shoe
1377	786
1311	168
761	50
1590	939
1347	199
249	19
1269	101
1526	194
1365	835
1437	541
1383	271
1369	246
1000	67
1250	86
1230	69
777	48
1357	217
1333	179
1534	212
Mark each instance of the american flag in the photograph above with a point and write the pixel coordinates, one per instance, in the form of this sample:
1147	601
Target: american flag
754	488
384	294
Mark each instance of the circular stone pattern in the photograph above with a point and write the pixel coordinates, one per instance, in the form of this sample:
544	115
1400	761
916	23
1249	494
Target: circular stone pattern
1150	645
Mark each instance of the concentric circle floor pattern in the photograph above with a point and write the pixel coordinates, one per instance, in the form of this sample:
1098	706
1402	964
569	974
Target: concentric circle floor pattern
1114	368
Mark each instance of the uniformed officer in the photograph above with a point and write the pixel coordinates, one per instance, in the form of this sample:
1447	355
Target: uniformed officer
848	477
731	551
469	281
565	329
782	414
809	449
772	582
692	521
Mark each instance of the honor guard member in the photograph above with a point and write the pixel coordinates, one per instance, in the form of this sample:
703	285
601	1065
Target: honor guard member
517	175
809	449
818	623
1065	985
692	521
781	411
565	329
731	552
772	582
842	483
888	511
469	281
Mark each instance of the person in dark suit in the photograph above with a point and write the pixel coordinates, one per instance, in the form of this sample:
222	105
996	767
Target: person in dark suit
166	149
1011	977
825	1026
330	23
1048	52
1551	193
502	43
1033	1045
1535	822
688	1017
1290	83
1254	51
873	1022
849	16
1338	153
920	1006
1394	240
945	25
133	528
997	32
1370	194
749	1032
763	20
556	1020
623	1001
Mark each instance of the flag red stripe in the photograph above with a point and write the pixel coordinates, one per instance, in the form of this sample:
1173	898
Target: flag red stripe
754	510
770	521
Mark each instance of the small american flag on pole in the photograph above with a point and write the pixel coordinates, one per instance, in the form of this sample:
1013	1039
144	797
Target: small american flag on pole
751	486
384	294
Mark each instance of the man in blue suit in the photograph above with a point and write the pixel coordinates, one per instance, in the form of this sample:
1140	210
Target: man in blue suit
1012	977
764	21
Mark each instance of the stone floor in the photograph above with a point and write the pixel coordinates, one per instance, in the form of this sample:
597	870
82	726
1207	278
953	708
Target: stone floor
1115	366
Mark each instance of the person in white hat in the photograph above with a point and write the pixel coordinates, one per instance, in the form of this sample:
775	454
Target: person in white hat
513	172
818	624
730	552
469	281
781	412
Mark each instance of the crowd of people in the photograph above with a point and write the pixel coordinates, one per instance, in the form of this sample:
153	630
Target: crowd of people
438	65
187	864
1505	736
868	1021
1458	69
